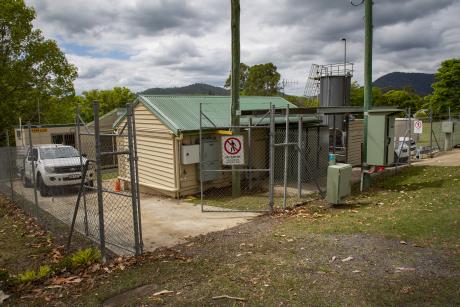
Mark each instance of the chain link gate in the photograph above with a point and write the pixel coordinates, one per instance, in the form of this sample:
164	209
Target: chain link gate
108	206
284	159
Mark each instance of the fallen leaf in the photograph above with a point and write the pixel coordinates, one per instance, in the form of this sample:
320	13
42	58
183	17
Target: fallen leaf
53	287
3	296
356	271
333	259
403	269
348	259
162	292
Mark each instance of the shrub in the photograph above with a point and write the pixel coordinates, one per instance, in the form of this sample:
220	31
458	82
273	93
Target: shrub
85	257
31	276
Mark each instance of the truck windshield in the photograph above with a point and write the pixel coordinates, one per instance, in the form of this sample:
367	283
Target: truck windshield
58	153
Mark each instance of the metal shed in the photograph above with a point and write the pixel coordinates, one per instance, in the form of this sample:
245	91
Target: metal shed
167	125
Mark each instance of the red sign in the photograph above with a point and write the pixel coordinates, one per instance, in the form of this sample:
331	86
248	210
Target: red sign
232	146
232	150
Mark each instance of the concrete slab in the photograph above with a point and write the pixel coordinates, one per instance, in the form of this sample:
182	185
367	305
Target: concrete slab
445	158
167	222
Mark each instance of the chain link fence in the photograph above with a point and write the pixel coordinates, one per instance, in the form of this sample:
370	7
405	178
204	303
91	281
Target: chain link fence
272	160
82	180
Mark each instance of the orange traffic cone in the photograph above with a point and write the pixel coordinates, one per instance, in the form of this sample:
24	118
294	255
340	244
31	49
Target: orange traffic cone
117	185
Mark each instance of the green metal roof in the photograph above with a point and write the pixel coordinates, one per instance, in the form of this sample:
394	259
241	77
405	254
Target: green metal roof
182	113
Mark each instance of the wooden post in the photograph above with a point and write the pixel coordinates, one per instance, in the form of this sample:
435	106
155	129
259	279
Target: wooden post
235	109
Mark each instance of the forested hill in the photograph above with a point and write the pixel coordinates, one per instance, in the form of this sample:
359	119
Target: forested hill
193	89
421	83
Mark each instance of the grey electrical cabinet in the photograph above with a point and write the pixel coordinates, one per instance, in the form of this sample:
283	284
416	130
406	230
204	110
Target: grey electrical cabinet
380	136
447	126
338	182
210	160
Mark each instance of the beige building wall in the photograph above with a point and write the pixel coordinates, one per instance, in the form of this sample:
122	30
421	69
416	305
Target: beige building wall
156	154
41	135
355	138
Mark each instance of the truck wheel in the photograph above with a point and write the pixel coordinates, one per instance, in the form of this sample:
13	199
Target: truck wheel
25	181
44	189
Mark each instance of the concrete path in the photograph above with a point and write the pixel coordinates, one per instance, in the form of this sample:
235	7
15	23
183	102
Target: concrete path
167	222
446	158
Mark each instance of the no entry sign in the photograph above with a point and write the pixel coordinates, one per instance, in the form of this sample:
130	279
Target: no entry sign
232	150
418	126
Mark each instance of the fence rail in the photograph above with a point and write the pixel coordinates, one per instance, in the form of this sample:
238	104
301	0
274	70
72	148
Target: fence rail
75	180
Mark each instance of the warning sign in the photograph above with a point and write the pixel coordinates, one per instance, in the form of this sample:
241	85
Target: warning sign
232	150
418	127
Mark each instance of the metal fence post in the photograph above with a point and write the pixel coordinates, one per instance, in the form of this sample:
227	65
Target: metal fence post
77	129
136	161
299	157
10	163
132	177
200	154
451	134
250	154
34	182
100	201
286	158
271	166
410	137
431	132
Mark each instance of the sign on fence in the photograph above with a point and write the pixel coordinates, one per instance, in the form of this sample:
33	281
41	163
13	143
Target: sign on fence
418	127
232	150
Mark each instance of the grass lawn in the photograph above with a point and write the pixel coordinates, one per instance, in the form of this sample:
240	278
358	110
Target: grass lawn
397	245
422	204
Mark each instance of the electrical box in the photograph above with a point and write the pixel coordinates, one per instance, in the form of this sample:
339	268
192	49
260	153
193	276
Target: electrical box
213	171
380	137
210	160
211	150
447	127
190	154
338	182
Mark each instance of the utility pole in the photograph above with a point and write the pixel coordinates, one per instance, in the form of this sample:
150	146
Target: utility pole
235	109
368	28
344	56
368	37
344	72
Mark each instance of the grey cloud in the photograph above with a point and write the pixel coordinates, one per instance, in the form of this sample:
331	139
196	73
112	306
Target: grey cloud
92	72
148	18
174	15
177	42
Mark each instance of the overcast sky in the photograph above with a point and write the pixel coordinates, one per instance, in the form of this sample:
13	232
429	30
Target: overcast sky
161	43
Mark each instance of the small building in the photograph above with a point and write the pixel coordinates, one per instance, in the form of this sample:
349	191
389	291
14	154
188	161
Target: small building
166	125
45	134
107	120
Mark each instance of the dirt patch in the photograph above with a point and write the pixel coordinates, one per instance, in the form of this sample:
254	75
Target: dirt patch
24	245
260	262
130	296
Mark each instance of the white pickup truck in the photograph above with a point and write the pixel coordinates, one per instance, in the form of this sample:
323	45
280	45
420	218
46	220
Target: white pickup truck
54	166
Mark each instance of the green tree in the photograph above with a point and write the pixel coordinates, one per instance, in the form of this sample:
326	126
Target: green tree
262	80
403	99
32	68
257	80
108	100
244	72
357	95
446	87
